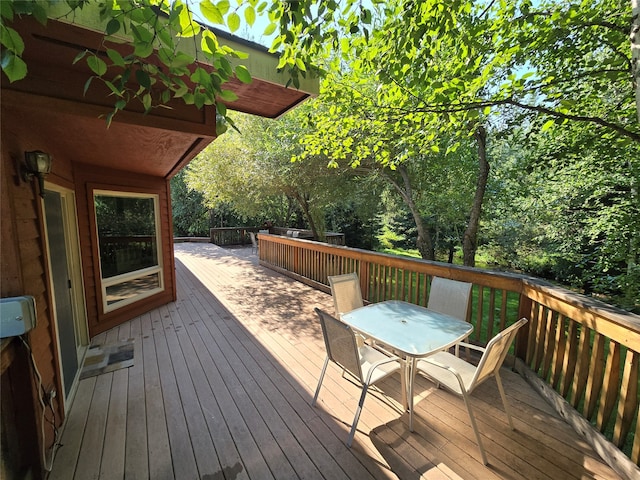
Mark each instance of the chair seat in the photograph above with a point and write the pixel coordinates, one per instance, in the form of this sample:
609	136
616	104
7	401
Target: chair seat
368	357
445	377
461	377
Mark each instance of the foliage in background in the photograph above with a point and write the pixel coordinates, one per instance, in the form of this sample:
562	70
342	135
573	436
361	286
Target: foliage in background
564	208
252	171
190	216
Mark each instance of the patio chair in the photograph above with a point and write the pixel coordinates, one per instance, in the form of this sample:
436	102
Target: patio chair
450	297
365	363
347	296
254	242
345	290
462	378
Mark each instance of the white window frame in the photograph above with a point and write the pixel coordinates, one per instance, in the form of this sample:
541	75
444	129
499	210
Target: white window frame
126	277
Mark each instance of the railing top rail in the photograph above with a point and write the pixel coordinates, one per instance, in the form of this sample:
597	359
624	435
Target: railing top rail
223	229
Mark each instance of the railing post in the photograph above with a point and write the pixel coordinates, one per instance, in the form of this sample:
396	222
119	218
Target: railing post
522	340
364	279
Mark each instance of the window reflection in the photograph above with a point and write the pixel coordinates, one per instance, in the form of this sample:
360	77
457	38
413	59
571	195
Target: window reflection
128	242
126	234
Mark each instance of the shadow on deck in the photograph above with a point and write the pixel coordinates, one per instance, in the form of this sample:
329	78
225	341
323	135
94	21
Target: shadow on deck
222	381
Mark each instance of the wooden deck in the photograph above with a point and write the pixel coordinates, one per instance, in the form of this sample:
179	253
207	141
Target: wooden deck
221	386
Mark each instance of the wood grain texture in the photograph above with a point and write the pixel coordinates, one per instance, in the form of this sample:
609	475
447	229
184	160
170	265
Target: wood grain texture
230	368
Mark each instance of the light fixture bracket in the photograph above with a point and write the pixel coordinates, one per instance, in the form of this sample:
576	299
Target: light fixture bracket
36	164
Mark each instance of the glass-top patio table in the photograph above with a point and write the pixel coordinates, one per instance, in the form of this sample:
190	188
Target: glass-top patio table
410	330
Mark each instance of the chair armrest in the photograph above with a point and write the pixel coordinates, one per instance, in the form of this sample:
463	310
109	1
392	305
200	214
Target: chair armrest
448	368
380	363
471	346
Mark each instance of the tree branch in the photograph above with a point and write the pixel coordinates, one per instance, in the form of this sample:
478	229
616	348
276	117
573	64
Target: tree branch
579	118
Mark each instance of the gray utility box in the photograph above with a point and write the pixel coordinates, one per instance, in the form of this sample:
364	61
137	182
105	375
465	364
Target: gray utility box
17	315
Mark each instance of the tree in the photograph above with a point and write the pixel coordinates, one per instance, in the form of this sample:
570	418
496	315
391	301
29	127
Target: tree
190	216
562	207
370	128
253	170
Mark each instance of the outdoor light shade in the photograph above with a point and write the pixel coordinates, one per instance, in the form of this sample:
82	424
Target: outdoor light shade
36	163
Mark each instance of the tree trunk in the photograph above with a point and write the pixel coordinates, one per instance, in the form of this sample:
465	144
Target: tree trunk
423	242
303	201
470	239
634	37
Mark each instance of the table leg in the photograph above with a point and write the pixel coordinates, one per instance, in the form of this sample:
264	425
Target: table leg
404	384
411	381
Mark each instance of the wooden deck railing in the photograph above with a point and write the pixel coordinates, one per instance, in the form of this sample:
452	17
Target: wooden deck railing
583	349
224	236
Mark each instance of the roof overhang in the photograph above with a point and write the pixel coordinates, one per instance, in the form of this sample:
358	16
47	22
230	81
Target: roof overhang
50	102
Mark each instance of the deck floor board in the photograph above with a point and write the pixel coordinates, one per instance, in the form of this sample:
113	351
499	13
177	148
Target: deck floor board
221	388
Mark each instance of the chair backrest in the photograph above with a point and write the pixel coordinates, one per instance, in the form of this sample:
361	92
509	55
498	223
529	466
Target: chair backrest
450	297
495	353
340	342
346	293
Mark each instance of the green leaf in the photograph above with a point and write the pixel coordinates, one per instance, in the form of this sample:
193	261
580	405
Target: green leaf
243	74
250	15
211	12
165	37
221	125
547	125
80	56
300	64
181	89
141	34
233	21
435	148
6	11
39	13
109	118
209	42
199	100
13	66
115	57
223	6
113	88
146	101
11	40
228	96
182	60
270	29
143	79
97	65
113	26
86	85
143	50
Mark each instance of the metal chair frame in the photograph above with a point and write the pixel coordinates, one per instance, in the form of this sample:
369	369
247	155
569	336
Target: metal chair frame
364	363
462	378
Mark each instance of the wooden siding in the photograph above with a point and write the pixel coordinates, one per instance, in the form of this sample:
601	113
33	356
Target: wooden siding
221	388
24	272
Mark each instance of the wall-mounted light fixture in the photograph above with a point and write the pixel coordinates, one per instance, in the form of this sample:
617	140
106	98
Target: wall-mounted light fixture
36	164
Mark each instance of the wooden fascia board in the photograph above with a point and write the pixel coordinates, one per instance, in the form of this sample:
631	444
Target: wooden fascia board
261	63
22	99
